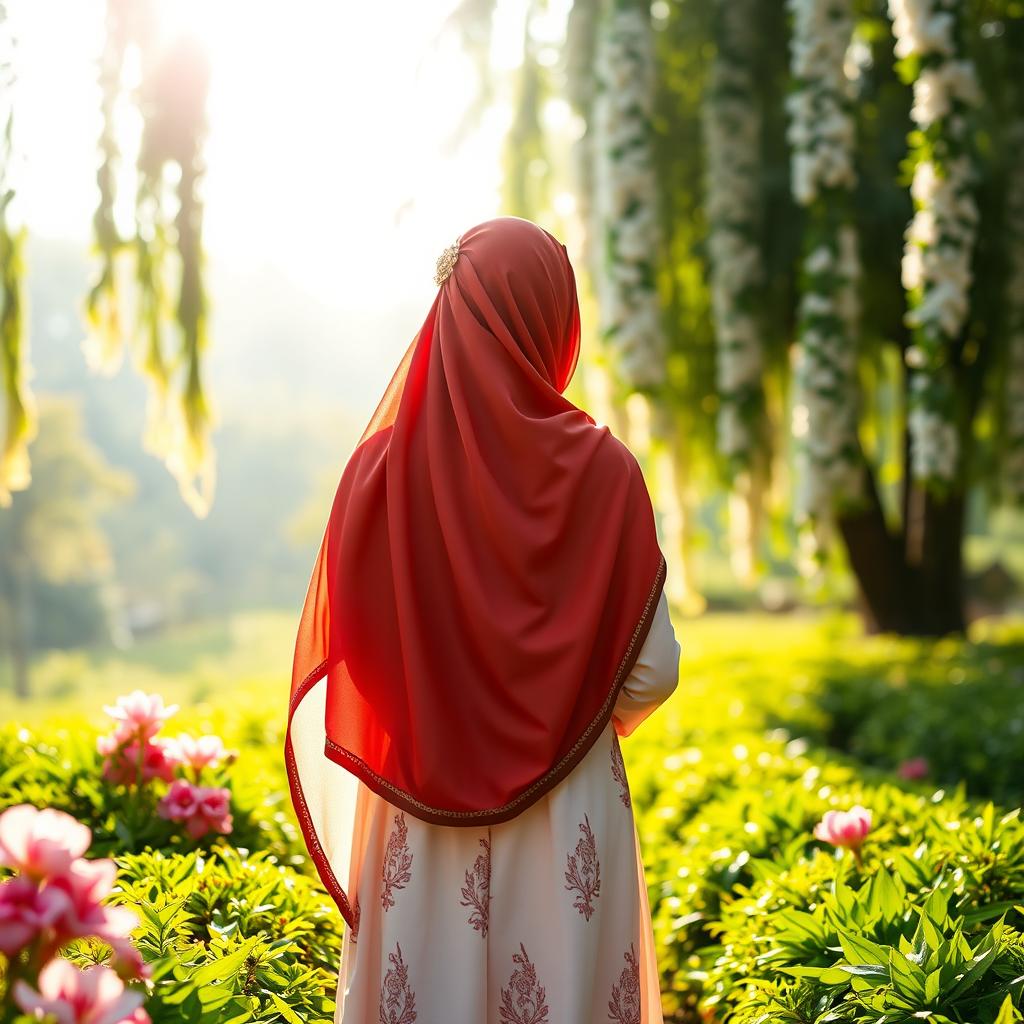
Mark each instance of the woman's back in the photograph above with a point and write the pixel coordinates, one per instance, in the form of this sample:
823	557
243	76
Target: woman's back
486	611
540	919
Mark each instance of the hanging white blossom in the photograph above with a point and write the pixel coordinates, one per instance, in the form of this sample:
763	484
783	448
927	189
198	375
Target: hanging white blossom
821	128
822	135
940	238
625	191
732	128
1013	466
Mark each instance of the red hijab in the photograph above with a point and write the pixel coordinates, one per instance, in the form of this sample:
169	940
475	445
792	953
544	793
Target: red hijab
490	567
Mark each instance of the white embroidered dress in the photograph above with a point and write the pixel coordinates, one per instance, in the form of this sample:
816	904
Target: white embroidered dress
542	919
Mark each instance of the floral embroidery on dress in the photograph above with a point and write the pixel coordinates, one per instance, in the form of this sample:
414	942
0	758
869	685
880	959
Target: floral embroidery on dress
397	861
397	999
476	893
624	1005
583	873
355	920
619	771
524	1001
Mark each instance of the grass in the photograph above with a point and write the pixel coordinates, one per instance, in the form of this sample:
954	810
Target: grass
216	669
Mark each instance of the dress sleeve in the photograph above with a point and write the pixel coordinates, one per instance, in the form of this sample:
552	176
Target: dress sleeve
654	676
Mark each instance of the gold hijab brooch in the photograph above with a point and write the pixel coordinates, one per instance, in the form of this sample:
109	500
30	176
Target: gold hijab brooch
446	264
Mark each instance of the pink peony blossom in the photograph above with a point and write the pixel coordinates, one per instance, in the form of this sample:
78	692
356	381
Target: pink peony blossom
40	843
141	715
25	910
121	767
202	809
845	828
914	768
181	801
86	883
93	996
214	813
202	752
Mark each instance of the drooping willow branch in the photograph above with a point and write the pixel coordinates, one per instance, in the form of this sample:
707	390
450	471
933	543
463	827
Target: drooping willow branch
20	418
148	292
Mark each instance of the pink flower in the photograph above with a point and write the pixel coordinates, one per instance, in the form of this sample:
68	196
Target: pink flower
25	910
215	802
121	767
214	813
141	714
202	809
86	883
201	752
93	996
40	843
845	828
180	801
914	768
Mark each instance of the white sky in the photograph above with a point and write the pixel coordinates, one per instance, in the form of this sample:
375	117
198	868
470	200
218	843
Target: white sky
326	118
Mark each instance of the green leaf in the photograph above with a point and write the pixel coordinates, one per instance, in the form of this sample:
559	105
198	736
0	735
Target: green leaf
285	1010
226	966
826	975
886	897
870	972
906	976
978	969
1007	1013
976	915
859	950
802	926
936	906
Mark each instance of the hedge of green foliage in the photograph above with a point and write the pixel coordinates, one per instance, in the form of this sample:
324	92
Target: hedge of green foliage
756	921
229	938
232	938
959	706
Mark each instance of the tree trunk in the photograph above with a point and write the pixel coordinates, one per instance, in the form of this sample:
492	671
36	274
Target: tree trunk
910	584
876	559
934	555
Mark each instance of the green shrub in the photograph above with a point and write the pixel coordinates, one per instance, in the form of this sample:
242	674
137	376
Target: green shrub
958	705
929	929
230	938
729	779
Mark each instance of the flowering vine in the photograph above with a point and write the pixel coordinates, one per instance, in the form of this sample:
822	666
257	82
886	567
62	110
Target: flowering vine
822	135
940	238
625	194
732	128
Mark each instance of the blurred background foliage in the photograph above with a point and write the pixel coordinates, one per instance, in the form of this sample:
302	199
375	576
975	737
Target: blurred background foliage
605	118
